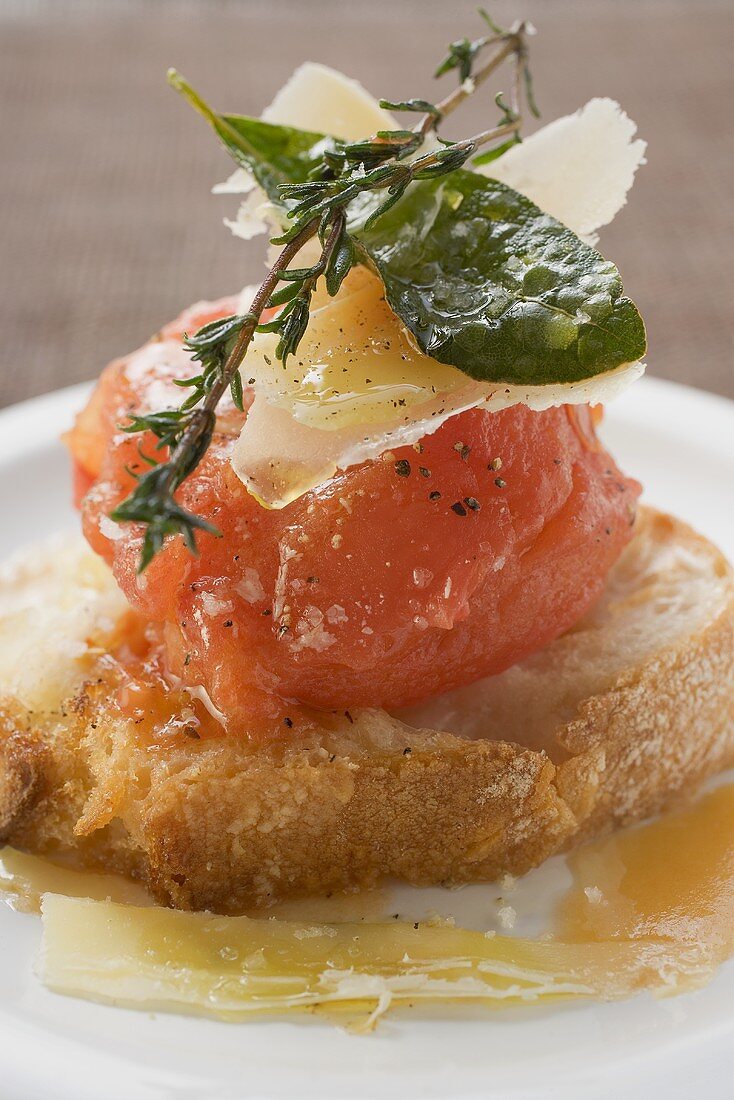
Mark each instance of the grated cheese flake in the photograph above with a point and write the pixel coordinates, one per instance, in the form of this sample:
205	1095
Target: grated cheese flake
578	168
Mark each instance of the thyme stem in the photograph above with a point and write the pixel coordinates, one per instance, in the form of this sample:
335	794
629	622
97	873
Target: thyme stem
202	416
513	45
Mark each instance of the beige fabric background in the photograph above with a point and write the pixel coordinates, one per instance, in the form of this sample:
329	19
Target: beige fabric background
107	228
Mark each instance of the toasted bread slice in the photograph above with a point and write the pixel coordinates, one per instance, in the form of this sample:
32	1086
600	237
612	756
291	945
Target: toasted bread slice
608	724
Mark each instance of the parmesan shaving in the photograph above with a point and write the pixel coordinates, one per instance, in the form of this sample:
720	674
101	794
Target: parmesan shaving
234	967
255	215
578	168
241	182
357	388
321	99
315	98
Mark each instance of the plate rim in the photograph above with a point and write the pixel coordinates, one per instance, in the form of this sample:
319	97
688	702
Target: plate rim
42	414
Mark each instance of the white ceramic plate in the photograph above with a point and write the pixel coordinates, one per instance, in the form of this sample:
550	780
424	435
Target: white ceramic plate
680	443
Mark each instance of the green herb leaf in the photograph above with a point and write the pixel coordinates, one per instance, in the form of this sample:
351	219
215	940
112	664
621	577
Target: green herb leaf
211	346
497	288
421	106
151	503
490	22
165	426
274	154
497	151
341	262
460	56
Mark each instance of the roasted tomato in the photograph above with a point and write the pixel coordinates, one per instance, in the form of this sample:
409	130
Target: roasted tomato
397	579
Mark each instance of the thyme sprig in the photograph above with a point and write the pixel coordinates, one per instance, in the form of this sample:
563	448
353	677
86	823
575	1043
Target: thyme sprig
187	431
387	162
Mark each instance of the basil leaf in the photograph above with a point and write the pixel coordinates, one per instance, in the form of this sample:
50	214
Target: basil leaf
487	282
494	154
274	154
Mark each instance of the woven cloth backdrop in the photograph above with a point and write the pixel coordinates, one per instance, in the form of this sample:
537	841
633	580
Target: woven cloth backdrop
107	227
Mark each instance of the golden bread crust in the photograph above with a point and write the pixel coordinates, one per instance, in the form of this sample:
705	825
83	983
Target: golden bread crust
628	711
21	773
